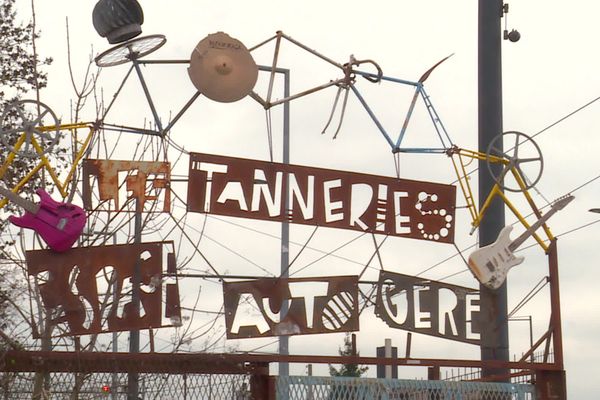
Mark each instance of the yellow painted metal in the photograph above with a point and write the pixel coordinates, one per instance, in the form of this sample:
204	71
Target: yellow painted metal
44	163
465	186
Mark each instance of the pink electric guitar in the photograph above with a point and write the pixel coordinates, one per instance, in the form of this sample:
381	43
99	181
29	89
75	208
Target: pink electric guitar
59	224
491	263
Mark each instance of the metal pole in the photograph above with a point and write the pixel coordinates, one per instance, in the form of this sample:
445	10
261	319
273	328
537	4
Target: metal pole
493	304
531	337
134	334
388	354
115	335
284	367
555	318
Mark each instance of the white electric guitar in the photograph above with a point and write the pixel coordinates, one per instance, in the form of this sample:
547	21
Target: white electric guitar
490	264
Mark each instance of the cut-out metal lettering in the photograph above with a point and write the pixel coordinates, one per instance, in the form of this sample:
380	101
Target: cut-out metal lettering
88	289
429	307
144	181
315	305
255	189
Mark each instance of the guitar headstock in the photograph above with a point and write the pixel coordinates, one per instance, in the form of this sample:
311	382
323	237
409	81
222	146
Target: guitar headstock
562	202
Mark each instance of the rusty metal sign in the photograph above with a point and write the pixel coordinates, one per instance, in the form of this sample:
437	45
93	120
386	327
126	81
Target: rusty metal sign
429	307
315	305
88	289
143	181
256	189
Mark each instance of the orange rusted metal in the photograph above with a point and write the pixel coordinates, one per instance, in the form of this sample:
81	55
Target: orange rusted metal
89	288
428	307
315	305
338	199
144	181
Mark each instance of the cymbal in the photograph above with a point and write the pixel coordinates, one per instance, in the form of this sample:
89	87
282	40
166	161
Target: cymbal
222	68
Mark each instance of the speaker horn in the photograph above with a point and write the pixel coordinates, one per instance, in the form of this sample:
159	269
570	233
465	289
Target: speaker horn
222	68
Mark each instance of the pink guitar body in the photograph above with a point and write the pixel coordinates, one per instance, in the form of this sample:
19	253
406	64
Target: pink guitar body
59	224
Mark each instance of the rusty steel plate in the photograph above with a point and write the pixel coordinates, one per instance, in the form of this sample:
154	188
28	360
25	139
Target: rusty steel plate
315	305
256	189
88	289
428	307
144	181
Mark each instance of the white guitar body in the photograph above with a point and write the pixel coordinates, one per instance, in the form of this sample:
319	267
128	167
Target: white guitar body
490	264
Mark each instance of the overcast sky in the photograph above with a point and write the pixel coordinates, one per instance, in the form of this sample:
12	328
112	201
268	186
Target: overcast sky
549	73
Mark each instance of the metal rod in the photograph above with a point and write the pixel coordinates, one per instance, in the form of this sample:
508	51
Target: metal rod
117	93
408	115
373	117
437	121
232	362
144	61
248	277
128	129
385	78
284	368
182	111
147	94
273	67
555	318
321	56
289	98
134	334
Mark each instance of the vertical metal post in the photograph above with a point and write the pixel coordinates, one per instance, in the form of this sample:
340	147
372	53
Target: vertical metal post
531	337
555	318
310	394
115	335
388	354
115	346
134	334
493	314
284	367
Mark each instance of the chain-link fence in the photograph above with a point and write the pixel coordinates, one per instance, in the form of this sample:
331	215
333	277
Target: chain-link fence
339	388
113	386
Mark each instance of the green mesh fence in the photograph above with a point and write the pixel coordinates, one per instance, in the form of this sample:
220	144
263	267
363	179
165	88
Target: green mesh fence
109	386
339	388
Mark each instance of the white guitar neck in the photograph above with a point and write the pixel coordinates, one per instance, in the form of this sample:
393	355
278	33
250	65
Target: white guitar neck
558	205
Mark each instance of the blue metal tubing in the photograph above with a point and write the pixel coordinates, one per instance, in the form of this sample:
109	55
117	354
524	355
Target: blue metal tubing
386	78
436	119
373	117
409	114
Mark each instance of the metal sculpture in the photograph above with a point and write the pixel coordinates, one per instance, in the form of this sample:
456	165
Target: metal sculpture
29	128
75	287
222	69
314	305
428	307
338	199
143	181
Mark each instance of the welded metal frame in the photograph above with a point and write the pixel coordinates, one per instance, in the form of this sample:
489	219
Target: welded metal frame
44	164
38	360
